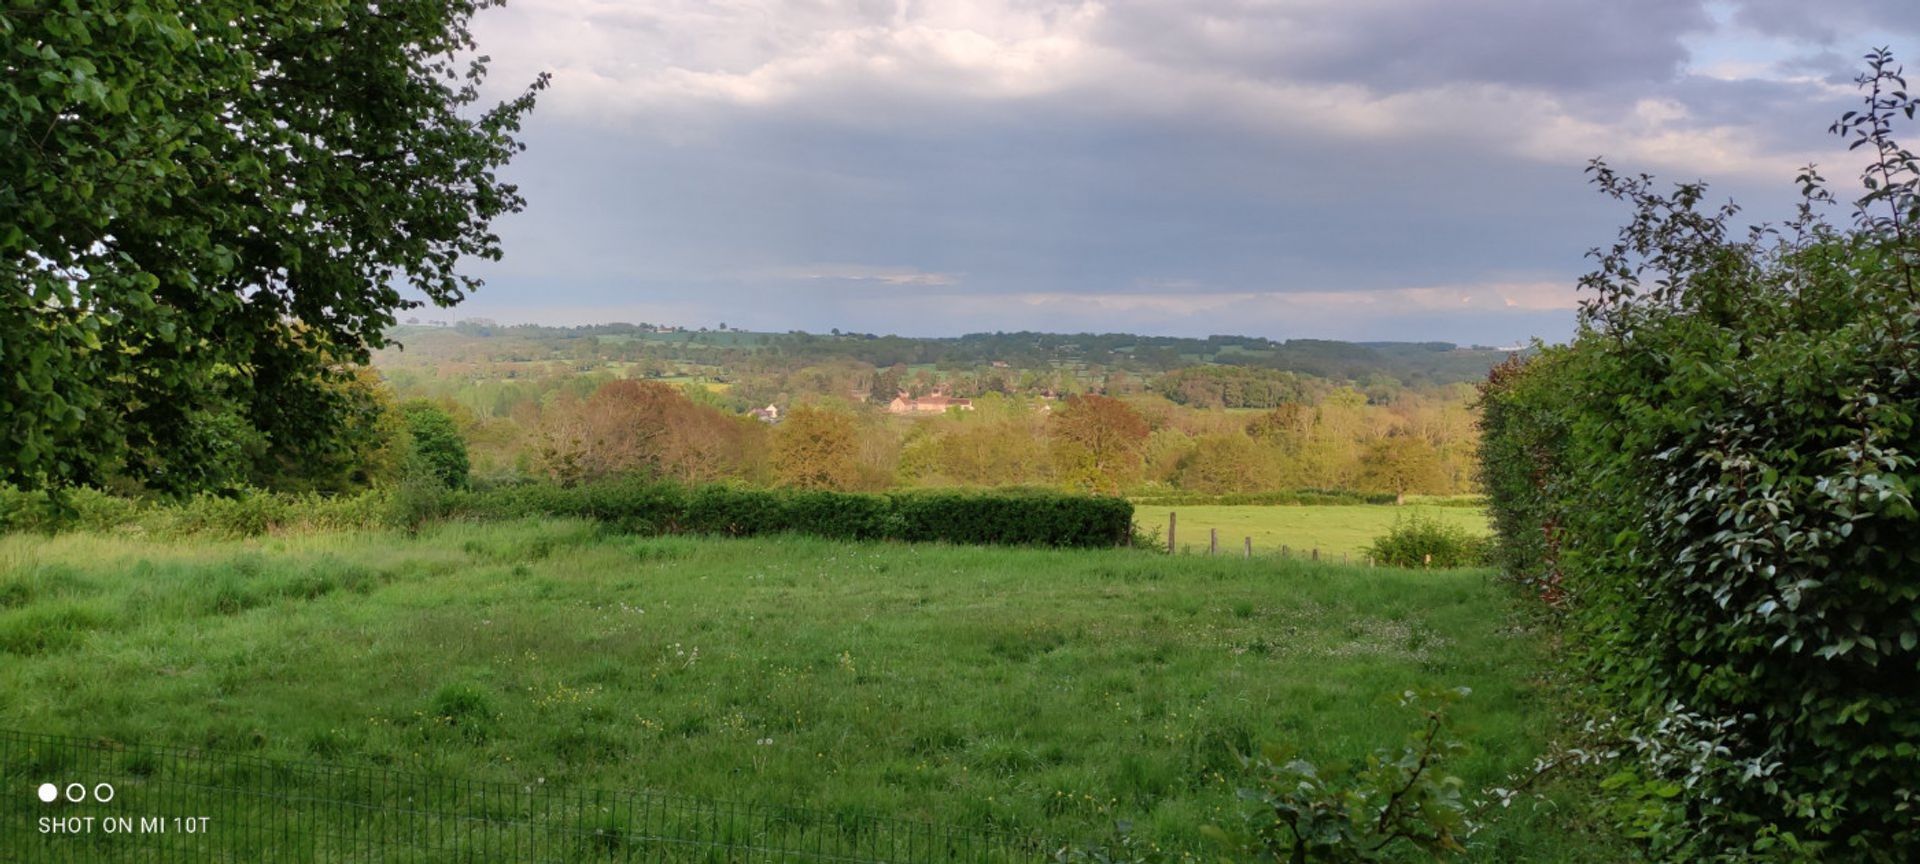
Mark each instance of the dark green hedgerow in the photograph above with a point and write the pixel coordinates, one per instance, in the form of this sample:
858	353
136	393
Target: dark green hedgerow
1715	484
998	517
1293	497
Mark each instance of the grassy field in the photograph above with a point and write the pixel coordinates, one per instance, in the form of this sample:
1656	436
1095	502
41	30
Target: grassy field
1049	690
1334	530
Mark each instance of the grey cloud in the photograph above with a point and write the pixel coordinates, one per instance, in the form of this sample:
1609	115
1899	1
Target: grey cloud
859	202
1830	22
1410	46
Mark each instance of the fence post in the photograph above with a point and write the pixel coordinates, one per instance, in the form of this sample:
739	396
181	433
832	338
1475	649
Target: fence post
1249	547
1213	541
1172	522
1316	553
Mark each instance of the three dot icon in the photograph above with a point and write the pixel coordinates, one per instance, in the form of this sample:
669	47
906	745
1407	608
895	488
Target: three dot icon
77	793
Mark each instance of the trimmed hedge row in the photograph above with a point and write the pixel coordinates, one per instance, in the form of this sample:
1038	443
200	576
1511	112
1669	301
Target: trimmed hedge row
1296	497
1025	517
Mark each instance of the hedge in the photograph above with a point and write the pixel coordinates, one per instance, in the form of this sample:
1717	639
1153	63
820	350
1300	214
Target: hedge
1715	486
1295	497
1025	517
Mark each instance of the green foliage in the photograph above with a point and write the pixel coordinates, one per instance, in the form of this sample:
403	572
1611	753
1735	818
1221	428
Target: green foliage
1298	813
1098	443
1716	480
1525	409
1027	517
817	448
438	451
1302	497
1000	517
208	207
1045	692
1014	517
1400	464
1420	540
1230	387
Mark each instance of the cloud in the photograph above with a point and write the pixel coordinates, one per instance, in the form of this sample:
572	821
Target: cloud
899	276
1074	161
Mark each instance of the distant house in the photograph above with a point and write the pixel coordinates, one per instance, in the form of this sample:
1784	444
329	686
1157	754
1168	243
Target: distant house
934	403
769	414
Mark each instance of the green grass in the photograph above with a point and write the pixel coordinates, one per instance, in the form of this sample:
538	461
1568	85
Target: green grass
1333	529
1054	691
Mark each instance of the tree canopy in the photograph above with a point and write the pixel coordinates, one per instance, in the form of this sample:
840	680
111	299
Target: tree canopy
210	209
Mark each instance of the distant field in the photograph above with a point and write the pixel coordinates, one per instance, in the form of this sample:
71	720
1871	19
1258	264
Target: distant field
1332	529
1052	691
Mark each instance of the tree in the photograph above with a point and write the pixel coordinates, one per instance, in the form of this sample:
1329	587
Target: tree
1222	464
1401	464
209	209
1098	443
370	448
438	450
816	448
644	427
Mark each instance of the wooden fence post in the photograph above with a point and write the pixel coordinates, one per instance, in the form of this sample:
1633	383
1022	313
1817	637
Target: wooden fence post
1171	523
1213	541
1249	547
1316	553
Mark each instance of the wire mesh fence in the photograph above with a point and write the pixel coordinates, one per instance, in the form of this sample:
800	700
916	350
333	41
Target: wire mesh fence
74	800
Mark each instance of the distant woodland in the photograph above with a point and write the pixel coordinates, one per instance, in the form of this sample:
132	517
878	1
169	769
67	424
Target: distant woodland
1112	413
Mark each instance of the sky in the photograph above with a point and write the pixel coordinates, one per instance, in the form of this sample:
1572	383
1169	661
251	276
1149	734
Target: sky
1343	169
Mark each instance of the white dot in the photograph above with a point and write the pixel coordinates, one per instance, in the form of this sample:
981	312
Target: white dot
48	792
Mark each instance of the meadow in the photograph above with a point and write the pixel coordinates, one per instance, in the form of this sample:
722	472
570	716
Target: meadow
1335	530
1049	691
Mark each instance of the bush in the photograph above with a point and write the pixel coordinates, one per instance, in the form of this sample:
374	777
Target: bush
1013	517
1715	482
1367	813
1304	497
1003	517
438	451
80	509
1418	540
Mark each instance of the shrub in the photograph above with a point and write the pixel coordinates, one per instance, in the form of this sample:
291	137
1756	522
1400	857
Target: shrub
1002	517
1304	497
1418	540
1366	813
1012	517
78	509
438	450
1715	481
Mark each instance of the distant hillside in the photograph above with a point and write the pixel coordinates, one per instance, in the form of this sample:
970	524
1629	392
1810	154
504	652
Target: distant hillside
1416	364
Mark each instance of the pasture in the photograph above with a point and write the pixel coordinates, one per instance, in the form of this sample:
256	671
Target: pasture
1048	691
1333	529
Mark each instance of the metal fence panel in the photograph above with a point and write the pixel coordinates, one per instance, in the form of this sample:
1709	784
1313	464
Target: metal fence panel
169	804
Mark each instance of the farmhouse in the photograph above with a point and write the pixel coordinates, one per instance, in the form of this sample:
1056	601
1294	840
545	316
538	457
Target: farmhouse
933	403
